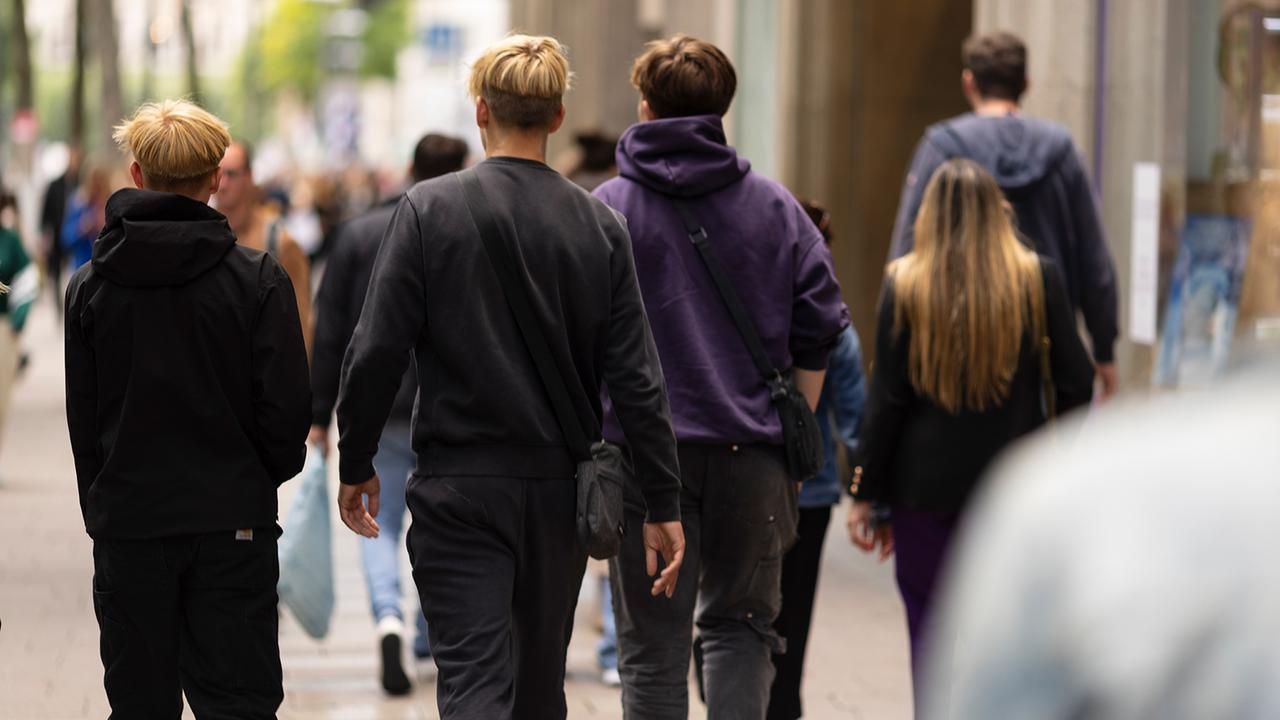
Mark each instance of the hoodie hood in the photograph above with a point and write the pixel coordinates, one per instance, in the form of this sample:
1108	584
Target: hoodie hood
685	156
1017	150
153	239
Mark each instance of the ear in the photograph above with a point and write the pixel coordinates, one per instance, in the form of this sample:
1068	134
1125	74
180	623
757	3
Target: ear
969	85
135	172
483	117
645	112
558	120
216	182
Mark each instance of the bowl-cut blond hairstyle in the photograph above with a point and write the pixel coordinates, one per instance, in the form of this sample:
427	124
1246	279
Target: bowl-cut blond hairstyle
523	79
176	143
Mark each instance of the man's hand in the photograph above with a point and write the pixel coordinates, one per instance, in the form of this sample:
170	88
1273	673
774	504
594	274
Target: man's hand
351	507
666	539
1110	380
861	534
319	437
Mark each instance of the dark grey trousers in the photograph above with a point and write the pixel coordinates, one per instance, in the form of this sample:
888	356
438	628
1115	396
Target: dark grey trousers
498	566
739	511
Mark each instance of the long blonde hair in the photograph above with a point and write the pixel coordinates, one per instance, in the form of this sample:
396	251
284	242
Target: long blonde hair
968	291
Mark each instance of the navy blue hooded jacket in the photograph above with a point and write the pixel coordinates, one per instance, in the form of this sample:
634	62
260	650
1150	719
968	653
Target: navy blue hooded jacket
1039	169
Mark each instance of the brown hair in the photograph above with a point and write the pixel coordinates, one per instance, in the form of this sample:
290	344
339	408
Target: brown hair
969	291
684	76
998	62
523	79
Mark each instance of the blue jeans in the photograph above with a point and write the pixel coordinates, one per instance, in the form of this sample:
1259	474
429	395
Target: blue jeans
607	648
381	556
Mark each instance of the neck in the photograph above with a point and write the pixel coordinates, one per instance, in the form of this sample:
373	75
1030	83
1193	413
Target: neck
523	145
995	106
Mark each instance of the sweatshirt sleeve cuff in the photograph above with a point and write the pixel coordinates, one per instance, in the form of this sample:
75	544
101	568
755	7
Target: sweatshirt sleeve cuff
1105	353
663	506
354	470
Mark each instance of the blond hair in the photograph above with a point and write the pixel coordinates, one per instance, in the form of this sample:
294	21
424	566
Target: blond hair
175	142
969	291
523	79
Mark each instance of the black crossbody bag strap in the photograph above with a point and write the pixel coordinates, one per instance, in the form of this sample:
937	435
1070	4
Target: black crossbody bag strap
517	294
747	329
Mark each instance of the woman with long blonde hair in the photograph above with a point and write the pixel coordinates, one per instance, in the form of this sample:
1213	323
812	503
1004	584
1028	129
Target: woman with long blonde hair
976	345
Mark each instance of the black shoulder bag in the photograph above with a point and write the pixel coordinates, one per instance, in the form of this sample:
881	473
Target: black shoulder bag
602	469
800	432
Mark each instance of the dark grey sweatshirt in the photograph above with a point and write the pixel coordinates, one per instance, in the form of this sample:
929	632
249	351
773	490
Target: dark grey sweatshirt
482	409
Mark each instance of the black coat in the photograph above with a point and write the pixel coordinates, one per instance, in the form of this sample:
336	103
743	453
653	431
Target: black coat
915	453
187	393
338	306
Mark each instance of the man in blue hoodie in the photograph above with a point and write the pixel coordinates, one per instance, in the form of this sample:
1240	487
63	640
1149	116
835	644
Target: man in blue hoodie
1038	167
738	502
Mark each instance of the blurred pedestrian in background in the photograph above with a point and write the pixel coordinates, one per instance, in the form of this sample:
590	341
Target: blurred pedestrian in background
596	159
86	214
53	212
338	307
494	543
839	413
187	405
976	345
258	227
20	286
1040	171
738	501
1130	573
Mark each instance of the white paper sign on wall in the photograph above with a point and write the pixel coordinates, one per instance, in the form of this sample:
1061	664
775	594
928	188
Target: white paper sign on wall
1144	255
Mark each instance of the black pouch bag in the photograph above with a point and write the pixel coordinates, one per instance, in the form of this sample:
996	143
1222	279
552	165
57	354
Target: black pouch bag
603	469
800	431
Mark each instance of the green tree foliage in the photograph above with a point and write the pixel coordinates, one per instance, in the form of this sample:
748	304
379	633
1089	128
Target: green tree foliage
385	34
291	43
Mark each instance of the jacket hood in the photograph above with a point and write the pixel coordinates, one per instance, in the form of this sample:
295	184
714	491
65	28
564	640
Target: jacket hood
153	239
1016	149
685	156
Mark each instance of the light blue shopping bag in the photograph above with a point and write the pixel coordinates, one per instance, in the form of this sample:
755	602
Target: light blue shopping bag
306	551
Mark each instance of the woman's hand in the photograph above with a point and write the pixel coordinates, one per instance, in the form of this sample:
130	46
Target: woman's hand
863	535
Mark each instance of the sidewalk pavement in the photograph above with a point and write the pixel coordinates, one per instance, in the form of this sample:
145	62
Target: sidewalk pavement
49	667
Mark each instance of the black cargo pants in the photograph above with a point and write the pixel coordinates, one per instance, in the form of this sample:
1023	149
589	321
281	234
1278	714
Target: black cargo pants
195	615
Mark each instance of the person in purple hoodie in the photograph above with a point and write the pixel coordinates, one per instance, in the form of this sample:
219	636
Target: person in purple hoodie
738	502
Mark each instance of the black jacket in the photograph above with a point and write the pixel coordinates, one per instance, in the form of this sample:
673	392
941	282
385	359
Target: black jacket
915	453
482	409
187	394
338	306
1036	164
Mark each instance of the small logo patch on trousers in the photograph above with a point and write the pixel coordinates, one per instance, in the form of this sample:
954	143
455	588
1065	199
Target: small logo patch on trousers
244	534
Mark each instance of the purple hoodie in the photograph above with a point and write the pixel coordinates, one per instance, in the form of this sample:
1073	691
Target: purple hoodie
771	251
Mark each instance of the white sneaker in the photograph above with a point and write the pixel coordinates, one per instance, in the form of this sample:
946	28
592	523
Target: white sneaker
611	678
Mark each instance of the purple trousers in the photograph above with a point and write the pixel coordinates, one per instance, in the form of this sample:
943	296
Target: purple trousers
922	542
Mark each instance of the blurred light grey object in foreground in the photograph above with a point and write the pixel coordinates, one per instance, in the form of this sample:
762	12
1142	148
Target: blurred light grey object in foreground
1127	572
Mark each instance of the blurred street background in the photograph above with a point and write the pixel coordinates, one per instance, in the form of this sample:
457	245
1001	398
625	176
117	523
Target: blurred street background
1174	104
